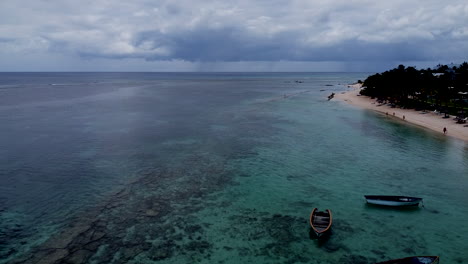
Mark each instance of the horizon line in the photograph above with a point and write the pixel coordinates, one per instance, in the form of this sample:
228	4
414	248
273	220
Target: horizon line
185	71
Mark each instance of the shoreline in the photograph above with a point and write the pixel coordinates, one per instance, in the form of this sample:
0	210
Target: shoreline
429	119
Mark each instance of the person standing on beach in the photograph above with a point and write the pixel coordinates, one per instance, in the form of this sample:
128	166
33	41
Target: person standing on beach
445	130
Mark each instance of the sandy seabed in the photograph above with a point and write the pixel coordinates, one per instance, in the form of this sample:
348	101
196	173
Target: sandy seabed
427	119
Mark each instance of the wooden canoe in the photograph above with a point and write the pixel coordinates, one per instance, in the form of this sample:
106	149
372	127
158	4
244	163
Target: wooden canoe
320	221
413	260
391	200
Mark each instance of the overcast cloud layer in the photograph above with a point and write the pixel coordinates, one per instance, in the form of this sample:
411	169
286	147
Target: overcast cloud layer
261	35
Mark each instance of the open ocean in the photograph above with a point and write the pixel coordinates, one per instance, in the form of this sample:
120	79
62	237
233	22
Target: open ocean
217	168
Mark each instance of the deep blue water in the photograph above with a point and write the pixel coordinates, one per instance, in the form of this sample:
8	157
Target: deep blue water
216	168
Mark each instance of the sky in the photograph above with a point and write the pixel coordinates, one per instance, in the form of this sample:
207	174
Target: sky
231	35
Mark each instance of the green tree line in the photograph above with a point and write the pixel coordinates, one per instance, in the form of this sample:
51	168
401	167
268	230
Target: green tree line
442	88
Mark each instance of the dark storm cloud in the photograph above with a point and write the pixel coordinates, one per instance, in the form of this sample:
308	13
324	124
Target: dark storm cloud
231	44
225	44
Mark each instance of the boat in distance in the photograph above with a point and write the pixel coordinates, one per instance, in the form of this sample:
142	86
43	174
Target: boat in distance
391	200
413	260
320	221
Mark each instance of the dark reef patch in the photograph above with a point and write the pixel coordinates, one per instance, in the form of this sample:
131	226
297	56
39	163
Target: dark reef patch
355	259
135	220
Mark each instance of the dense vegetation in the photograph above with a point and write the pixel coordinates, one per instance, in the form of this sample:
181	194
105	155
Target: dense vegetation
443	88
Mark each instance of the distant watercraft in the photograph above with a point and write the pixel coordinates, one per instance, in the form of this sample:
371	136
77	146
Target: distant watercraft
320	221
390	200
413	260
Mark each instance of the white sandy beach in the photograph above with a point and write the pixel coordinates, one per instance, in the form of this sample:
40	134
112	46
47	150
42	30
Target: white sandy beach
428	120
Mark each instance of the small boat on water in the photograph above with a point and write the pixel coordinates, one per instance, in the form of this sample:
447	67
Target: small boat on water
320	221
413	260
391	200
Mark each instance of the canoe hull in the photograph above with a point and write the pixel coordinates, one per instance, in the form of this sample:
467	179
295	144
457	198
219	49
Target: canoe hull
320	229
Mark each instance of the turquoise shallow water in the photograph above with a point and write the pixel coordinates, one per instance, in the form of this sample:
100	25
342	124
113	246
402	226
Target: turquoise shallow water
217	168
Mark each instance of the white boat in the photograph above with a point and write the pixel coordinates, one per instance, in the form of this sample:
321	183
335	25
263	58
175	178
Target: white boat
414	260
391	200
